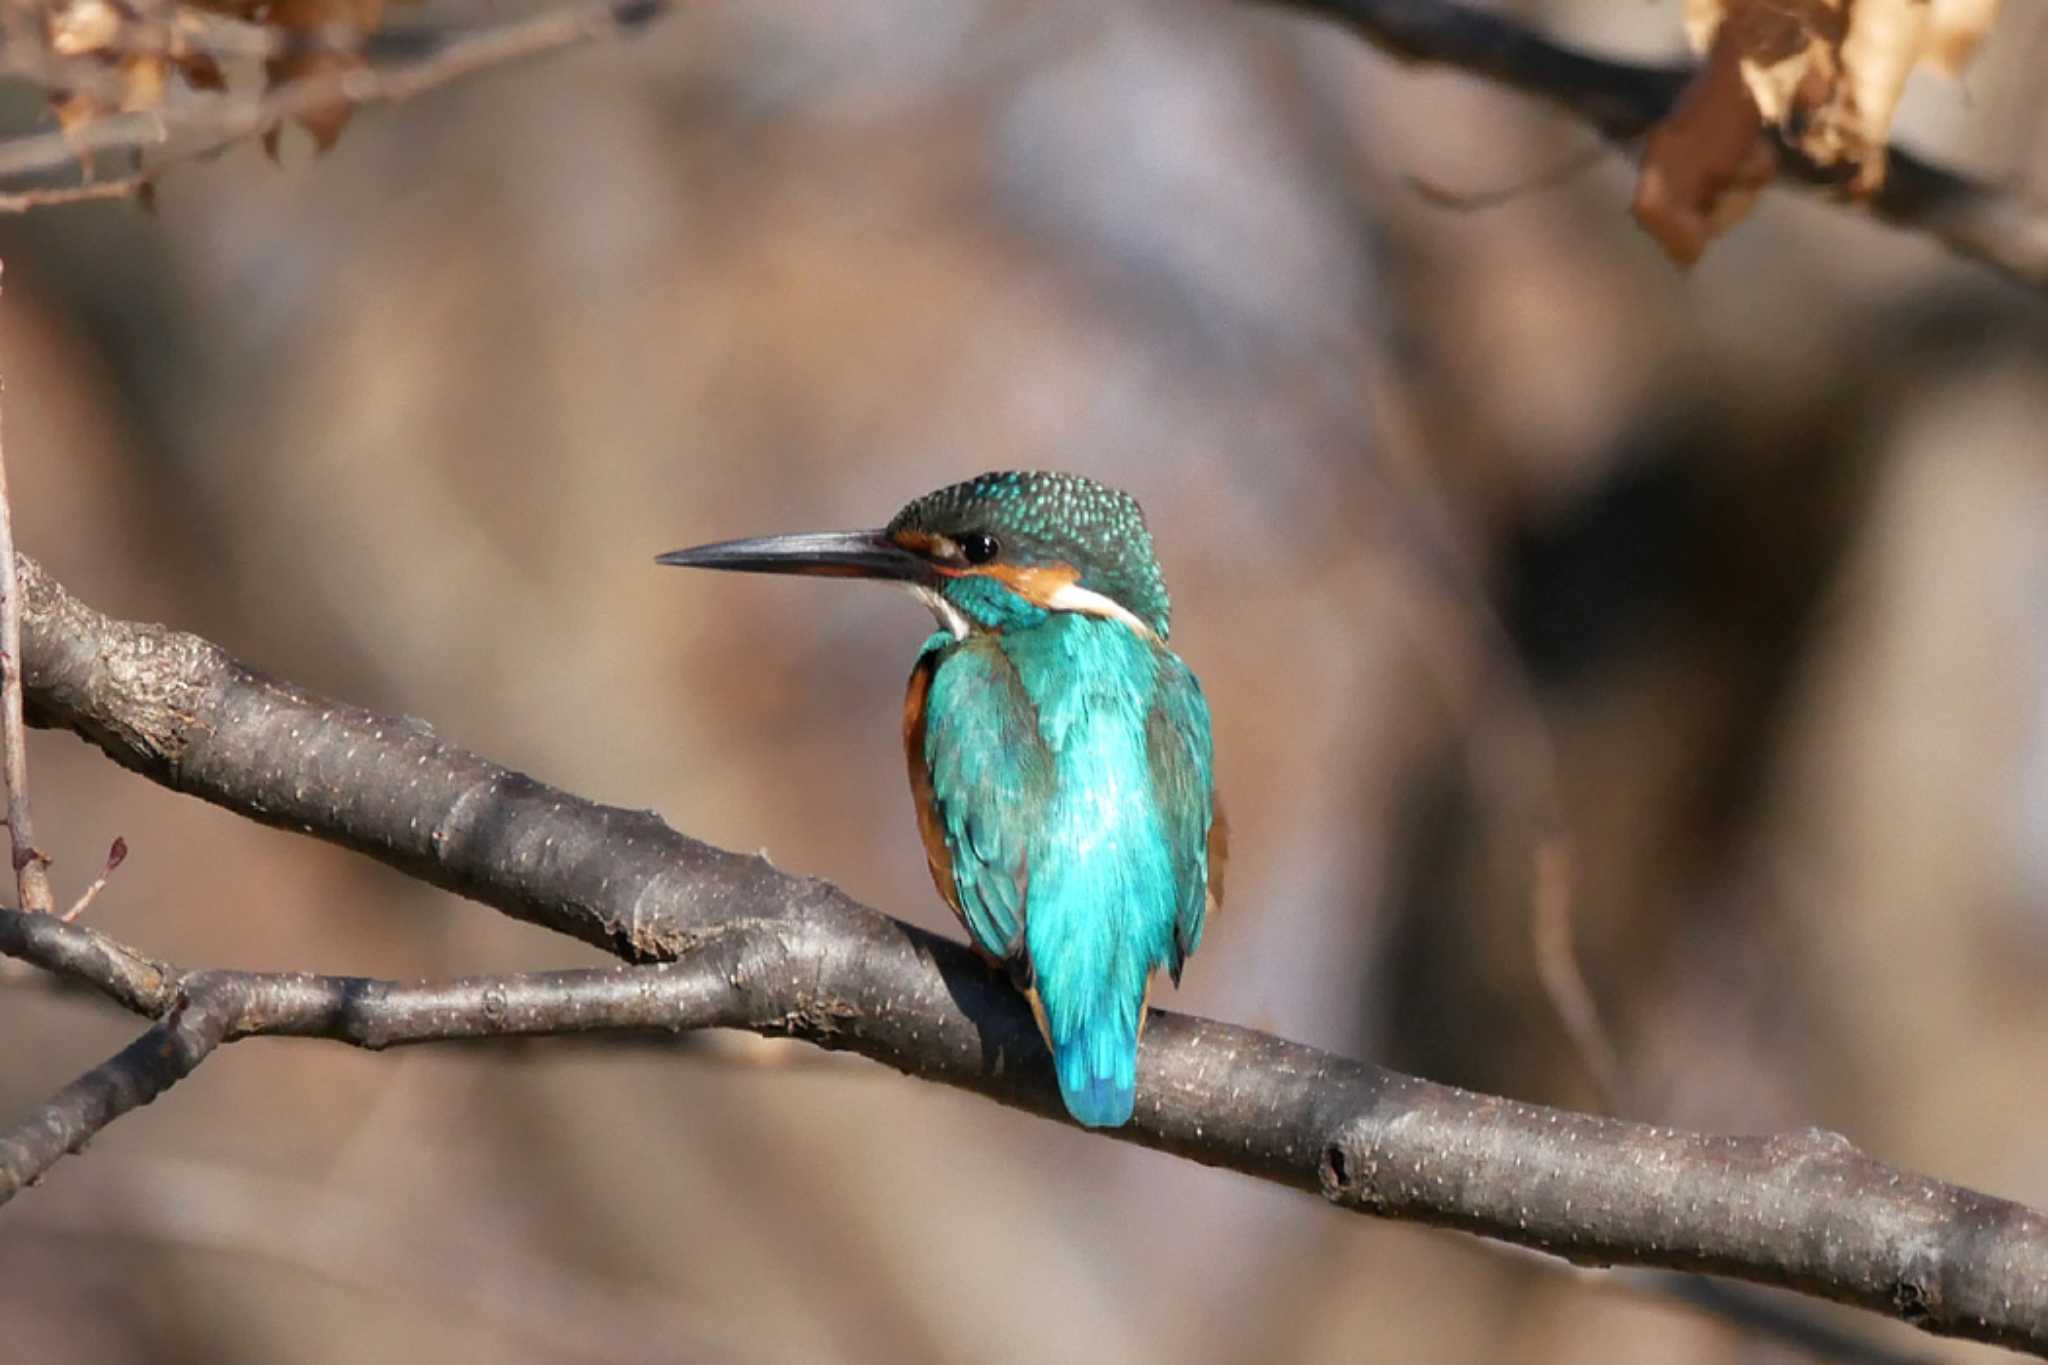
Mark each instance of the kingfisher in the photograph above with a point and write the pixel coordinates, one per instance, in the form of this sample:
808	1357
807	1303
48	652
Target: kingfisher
1059	752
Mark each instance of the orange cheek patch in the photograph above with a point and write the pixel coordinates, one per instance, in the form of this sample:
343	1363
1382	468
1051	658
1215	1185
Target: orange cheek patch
1037	583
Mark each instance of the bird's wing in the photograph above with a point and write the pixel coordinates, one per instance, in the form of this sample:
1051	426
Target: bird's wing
982	778
1177	742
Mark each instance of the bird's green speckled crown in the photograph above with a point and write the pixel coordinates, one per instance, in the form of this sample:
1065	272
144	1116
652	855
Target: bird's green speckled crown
1040	517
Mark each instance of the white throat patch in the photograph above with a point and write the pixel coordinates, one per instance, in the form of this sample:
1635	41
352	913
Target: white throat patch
1074	597
950	617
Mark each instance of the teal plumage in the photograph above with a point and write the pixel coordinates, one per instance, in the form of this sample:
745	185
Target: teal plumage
1069	771
992	779
1059	752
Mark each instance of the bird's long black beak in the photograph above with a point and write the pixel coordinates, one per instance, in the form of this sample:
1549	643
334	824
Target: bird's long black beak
835	554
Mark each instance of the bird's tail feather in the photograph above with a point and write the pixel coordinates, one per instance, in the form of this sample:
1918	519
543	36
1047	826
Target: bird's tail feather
1098	1070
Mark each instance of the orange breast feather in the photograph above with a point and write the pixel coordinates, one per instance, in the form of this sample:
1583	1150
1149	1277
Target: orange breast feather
1219	850
936	854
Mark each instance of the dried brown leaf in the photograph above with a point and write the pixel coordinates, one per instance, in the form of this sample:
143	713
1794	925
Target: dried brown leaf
1706	160
1828	74
137	46
347	20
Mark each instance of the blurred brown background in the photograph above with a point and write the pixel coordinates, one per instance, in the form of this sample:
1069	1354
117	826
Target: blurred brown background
407	426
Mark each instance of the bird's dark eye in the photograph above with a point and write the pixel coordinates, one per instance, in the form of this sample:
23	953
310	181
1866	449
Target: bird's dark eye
979	547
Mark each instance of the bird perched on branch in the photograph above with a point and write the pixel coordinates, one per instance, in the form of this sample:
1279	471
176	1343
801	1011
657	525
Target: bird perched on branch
1059	752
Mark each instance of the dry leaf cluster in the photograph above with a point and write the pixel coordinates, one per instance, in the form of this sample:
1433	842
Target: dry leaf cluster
1823	77
105	56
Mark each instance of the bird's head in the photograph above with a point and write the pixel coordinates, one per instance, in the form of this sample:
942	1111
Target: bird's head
997	552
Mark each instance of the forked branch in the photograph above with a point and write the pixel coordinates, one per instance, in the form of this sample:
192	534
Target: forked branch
762	949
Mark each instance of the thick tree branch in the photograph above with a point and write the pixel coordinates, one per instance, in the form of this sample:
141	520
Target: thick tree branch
782	954
1978	221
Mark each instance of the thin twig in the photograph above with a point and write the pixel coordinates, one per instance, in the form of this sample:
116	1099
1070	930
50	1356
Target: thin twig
1557	967
132	1077
115	857
1564	171
31	879
51	196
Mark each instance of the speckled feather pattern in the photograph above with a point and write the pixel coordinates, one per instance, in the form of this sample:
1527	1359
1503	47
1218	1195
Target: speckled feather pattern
1050	518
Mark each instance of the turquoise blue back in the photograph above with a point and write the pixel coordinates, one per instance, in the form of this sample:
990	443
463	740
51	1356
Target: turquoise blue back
1070	773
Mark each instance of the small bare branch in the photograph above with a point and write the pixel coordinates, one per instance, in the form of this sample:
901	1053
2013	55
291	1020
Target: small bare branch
116	855
131	1078
1557	967
32	880
51	196
1564	171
